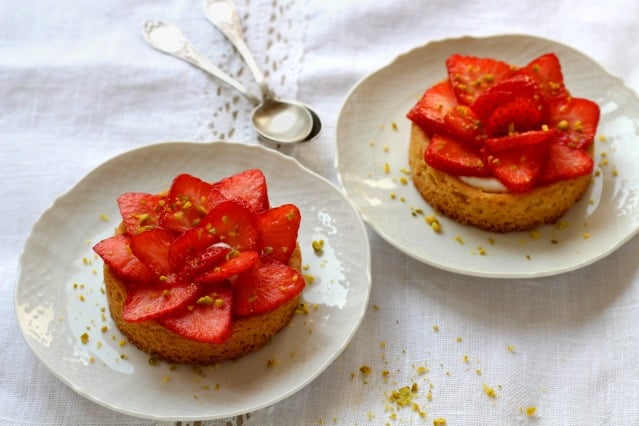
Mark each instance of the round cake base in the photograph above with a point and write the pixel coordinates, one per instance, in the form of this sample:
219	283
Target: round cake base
249	333
497	212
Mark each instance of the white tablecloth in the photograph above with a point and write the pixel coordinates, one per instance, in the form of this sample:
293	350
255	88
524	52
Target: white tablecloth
78	86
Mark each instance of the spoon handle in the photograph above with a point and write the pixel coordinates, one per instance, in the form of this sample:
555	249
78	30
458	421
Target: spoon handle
169	39
223	15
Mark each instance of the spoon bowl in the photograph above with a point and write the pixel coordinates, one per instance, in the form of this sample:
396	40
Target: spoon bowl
274	120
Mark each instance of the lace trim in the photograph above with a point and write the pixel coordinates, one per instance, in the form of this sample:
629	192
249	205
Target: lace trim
275	33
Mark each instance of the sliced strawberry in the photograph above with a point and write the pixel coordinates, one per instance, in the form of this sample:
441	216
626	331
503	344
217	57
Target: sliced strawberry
518	86
248	186
565	162
148	302
518	115
470	76
190	243
152	248
576	119
236	263
204	260
234	224
455	157
278	228
266	286
117	255
518	169
519	140
463	123
208	320
140	211
429	112
546	71
188	201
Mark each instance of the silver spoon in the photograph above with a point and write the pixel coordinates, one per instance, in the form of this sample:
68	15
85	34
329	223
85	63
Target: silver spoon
223	15
275	120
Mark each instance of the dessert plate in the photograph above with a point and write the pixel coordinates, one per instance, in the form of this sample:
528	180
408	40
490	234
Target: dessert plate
63	314
372	164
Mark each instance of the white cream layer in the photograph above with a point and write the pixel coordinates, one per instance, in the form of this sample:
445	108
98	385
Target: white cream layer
488	184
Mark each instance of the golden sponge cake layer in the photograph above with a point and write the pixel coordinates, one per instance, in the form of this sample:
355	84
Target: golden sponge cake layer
249	333
490	211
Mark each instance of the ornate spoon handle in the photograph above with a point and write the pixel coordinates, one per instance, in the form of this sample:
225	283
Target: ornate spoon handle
223	15
169	39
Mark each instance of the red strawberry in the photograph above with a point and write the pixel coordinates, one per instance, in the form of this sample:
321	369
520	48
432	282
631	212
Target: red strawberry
234	224
429	112
265	287
236	263
546	71
117	255
190	243
248	186
140	211
188	201
518	86
207	320
154	301
565	162
454	157
576	120
518	169
464	124
152	248
518	115
470	76
519	140
204	260
279	227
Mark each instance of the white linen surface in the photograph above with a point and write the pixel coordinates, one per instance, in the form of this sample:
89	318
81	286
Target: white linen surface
79	86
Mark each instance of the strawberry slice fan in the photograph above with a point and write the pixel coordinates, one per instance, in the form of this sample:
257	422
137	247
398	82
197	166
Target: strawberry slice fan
517	124
204	253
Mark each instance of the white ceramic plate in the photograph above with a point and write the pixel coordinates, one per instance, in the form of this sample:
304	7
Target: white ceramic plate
372	131
59	292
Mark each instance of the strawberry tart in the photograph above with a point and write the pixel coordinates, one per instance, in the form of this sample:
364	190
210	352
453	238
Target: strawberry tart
204	272
502	147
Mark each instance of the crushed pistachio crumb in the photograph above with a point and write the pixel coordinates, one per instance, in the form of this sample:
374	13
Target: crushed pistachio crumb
403	396
530	410
365	370
489	391
205	300
435	327
272	363
84	338
439	421
318	245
